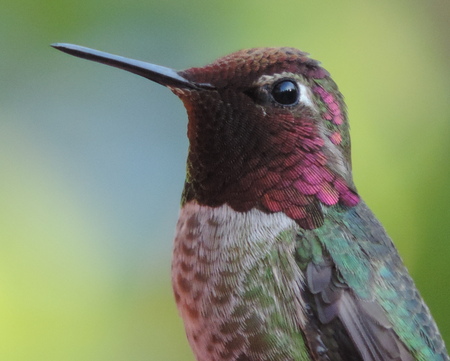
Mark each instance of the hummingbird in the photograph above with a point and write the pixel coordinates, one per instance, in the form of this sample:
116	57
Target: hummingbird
276	256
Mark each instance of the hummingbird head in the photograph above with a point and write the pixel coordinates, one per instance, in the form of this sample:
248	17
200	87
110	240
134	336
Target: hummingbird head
267	128
271	132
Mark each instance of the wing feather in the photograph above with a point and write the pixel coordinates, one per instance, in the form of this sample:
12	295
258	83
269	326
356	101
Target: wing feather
364	321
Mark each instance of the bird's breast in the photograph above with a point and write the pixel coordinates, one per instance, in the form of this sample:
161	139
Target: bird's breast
232	272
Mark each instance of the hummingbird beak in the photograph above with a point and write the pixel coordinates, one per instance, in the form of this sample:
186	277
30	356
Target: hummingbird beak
159	74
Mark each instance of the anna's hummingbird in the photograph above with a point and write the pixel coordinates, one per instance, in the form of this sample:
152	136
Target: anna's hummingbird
276	255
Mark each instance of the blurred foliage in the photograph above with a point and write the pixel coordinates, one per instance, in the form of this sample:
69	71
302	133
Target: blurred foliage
92	159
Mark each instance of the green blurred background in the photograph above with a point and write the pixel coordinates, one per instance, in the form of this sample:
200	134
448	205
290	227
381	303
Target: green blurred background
92	159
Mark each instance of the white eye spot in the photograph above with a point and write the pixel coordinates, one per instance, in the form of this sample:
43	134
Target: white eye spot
306	96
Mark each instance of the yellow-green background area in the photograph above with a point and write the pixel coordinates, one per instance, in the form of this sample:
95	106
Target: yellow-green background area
92	159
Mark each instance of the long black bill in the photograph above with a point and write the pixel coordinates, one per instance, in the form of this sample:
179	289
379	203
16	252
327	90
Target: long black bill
159	74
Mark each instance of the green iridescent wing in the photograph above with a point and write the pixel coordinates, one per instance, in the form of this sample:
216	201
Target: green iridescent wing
364	305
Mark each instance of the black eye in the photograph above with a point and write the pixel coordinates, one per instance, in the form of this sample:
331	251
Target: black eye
285	92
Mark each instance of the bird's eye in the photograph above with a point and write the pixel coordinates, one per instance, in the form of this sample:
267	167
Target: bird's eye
285	92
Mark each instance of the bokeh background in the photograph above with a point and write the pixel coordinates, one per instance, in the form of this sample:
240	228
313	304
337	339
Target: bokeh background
92	158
